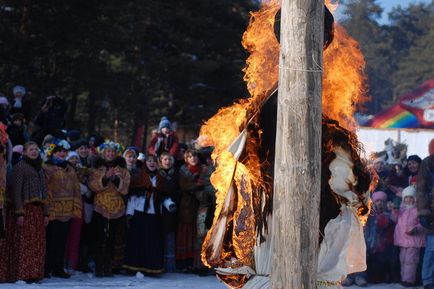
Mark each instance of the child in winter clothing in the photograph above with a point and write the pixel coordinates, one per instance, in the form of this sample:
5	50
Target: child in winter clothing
379	240
164	141
409	236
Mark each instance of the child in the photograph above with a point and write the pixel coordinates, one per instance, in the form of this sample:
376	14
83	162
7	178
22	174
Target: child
379	240
165	140
409	236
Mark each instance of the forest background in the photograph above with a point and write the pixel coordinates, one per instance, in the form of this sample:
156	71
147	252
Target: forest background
124	64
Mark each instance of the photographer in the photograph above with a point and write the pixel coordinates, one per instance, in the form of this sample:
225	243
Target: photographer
50	119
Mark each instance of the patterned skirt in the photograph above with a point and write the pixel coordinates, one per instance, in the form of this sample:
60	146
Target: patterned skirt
144	246
26	245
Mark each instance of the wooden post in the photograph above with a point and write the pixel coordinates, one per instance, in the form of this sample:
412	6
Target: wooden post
297	170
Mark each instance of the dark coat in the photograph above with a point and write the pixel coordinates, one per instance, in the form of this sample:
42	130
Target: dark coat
424	193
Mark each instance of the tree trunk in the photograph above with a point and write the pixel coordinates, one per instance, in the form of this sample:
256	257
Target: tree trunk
297	170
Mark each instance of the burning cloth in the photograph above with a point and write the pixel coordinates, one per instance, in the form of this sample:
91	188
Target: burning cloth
238	245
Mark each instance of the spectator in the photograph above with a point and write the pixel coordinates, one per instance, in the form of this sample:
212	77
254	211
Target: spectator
17	130
109	180
168	172
4	115
425	207
379	240
409	236
144	247
382	172
19	103
412	169
164	141
64	204
17	153
82	148
4	270
28	218
50	118
197	196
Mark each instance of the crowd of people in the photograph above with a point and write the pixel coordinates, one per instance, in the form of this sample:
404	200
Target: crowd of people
400	225
70	203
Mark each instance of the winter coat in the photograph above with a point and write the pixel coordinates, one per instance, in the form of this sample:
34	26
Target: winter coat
109	193
378	232
145	192
407	222
424	193
27	185
164	143
17	134
63	187
196	191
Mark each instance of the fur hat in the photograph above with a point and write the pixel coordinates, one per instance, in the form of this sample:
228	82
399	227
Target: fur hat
164	123
19	88
409	191
379	195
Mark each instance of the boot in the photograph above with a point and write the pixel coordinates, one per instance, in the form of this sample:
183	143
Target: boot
83	264
99	265
108	272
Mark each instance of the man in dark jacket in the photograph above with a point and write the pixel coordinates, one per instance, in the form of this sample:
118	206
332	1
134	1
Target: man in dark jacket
425	206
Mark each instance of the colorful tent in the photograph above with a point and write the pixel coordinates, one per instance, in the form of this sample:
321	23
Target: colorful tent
414	110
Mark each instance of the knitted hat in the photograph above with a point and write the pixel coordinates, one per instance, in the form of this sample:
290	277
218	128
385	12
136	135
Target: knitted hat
72	154
19	88
4	100
131	149
415	158
48	139
379	195
164	123
409	191
18	149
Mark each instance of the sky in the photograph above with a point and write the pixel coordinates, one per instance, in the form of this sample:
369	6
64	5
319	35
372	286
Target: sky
387	5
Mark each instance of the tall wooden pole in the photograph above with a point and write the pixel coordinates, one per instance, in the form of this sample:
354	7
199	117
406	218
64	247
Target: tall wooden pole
297	170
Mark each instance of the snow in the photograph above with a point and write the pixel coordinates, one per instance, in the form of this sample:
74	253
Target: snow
166	281
87	281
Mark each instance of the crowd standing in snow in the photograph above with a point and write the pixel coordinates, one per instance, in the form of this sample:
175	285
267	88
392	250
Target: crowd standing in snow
70	203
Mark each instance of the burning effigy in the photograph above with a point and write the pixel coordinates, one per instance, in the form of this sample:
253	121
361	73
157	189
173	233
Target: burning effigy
238	245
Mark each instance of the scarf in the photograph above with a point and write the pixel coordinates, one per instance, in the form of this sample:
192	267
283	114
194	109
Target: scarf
59	162
34	163
194	169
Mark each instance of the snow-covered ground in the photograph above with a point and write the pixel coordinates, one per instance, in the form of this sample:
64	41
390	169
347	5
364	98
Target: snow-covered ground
166	281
